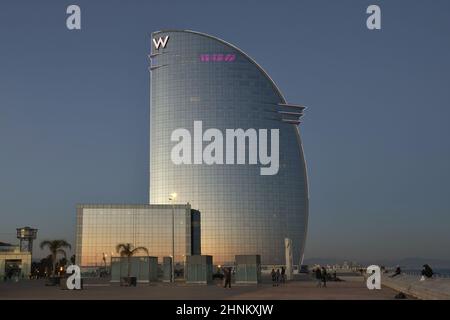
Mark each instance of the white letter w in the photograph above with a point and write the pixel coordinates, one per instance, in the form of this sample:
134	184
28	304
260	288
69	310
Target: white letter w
160	42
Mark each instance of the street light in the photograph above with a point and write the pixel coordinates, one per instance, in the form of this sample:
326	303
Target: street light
172	198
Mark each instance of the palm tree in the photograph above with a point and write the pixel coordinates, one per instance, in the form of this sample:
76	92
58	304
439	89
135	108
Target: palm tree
46	265
62	263
126	250
55	247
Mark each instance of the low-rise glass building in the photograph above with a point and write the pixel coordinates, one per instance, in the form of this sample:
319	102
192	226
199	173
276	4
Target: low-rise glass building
101	227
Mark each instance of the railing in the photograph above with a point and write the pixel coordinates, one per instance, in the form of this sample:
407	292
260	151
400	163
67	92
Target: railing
388	271
419	274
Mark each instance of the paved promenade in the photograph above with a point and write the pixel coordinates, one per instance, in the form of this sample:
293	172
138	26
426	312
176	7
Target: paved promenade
303	289
430	289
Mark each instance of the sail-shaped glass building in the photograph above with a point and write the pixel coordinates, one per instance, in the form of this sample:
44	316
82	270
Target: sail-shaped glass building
197	77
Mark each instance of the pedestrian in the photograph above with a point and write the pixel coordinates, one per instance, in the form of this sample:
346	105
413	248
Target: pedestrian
274	277
318	277
427	272
278	277
324	276
227	276
283	275
397	272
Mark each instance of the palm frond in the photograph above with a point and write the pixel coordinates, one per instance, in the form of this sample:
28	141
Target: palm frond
54	245
64	244
45	243
123	248
61	251
135	250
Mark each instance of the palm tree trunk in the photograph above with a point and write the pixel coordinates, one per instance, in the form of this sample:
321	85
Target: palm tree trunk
54	262
129	267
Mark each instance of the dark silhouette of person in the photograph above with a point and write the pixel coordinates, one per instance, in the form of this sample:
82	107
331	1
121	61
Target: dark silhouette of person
324	276
227	275
397	272
427	271
274	277
318	277
283	274
278	276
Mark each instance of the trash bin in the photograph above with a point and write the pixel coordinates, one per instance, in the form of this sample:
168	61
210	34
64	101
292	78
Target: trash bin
129	281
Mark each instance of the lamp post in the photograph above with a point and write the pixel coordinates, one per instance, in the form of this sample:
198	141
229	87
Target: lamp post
172	198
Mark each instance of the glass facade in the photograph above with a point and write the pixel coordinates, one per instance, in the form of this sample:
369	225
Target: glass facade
196	77
101	227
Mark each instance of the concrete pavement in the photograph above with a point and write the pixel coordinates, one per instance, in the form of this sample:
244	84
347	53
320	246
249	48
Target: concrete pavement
303	289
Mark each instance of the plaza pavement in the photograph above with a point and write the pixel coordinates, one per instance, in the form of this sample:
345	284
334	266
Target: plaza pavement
304	288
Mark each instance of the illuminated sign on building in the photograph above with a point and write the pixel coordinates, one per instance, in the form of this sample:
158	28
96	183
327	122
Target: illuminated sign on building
218	57
160	42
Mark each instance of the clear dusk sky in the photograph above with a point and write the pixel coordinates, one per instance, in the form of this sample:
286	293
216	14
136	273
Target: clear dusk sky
74	112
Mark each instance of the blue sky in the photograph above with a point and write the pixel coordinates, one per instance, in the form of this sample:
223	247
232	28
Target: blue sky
74	112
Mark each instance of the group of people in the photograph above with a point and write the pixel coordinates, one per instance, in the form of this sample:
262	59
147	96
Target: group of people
321	276
278	277
426	272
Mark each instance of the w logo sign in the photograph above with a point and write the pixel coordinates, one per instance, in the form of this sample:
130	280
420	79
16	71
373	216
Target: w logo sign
160	42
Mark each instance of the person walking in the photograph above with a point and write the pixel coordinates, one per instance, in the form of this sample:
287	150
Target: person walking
318	277
278	276
274	277
283	275
227	276
324	277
